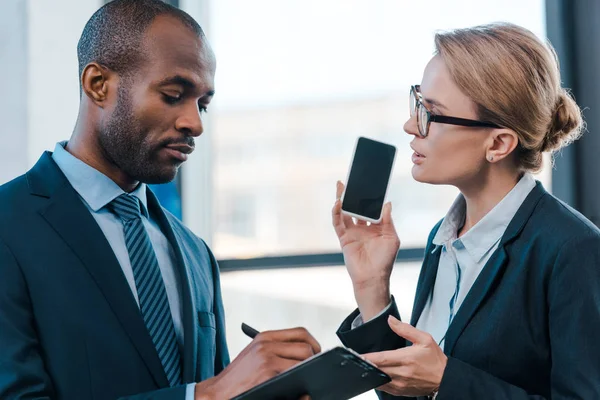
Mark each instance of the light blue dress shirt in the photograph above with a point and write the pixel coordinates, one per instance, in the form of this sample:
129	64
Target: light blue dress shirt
97	191
463	259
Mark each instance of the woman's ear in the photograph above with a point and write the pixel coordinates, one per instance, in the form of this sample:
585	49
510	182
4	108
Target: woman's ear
94	83
501	144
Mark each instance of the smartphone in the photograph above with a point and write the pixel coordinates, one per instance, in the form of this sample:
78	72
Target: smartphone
368	179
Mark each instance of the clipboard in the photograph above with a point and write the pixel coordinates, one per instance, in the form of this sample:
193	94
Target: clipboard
337	374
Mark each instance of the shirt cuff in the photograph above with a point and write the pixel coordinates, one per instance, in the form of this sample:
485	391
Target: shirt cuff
190	391
358	321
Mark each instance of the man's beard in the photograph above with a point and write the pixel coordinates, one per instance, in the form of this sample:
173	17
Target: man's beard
123	139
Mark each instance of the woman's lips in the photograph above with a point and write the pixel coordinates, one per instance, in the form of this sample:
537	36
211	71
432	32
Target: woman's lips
417	158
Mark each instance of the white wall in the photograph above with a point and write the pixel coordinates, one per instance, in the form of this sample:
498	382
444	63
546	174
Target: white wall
13	81
54	27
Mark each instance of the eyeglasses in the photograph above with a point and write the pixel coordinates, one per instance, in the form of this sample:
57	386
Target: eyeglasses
425	117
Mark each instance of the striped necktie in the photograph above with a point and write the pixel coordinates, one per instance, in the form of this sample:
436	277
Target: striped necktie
154	304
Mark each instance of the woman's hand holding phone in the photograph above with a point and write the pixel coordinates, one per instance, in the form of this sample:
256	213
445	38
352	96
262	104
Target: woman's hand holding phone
369	254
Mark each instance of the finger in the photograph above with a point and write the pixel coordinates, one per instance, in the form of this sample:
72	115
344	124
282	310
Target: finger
339	189
296	351
387	215
361	222
408	331
340	220
385	359
347	220
292	335
337	219
283	364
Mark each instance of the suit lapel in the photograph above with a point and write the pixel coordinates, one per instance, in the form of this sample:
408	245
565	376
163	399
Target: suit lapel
492	272
73	222
425	283
479	291
190	334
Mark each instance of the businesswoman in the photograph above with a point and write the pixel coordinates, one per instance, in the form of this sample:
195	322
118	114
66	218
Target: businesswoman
508	299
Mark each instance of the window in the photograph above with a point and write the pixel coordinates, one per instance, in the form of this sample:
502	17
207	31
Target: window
318	298
297	82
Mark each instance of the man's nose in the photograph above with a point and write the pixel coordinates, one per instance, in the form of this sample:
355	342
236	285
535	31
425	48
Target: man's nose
190	122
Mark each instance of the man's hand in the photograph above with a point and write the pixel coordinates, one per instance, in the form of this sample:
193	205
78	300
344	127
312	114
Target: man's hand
416	370
269	354
369	255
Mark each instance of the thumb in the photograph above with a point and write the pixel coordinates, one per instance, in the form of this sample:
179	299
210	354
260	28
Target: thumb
386	219
408	331
387	213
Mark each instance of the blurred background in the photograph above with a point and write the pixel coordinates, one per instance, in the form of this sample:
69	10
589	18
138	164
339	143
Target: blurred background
297	82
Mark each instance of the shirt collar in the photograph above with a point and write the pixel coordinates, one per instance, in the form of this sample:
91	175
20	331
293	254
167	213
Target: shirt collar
452	222
481	238
96	189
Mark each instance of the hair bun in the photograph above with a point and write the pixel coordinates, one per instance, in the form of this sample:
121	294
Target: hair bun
566	125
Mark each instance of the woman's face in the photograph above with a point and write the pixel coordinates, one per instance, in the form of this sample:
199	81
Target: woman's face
450	154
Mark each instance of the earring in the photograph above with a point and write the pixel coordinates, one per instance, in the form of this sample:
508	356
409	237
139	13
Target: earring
491	158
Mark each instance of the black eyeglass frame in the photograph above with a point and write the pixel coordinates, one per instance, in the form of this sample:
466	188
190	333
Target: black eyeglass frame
415	90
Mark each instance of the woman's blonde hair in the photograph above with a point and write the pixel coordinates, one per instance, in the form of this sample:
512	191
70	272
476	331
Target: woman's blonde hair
514	79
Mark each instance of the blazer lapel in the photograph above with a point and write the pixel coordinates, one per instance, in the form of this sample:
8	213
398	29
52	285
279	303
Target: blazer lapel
190	330
492	272
479	291
73	222
425	283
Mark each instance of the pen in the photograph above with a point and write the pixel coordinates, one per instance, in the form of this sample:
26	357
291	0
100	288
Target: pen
249	331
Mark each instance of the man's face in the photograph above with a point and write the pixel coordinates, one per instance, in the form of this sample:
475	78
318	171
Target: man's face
158	110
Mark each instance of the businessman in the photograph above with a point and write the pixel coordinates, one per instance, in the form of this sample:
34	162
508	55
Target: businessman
103	293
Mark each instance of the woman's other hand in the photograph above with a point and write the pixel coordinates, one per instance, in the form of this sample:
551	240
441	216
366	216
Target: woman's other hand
415	370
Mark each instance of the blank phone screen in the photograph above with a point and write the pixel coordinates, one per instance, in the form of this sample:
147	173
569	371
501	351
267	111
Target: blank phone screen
369	177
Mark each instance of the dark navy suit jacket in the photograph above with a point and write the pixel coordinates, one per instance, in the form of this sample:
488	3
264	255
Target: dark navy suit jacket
69	325
529	327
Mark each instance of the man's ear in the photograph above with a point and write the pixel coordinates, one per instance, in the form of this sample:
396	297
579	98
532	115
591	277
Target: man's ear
501	144
95	81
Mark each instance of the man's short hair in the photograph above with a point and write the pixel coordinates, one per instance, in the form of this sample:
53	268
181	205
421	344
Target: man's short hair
113	35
